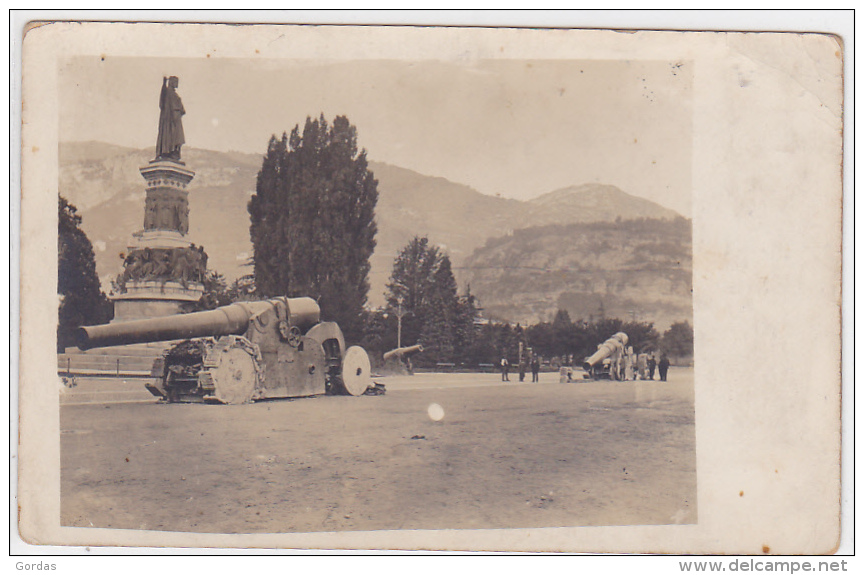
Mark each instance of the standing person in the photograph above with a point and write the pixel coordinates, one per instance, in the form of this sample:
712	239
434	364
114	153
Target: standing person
505	369
522	370
642	365
663	366
652	365
628	365
535	371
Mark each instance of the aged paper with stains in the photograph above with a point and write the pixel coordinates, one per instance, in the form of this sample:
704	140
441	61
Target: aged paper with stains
763	144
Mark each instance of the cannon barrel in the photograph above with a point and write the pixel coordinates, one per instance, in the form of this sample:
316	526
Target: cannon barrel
232	319
403	351
606	349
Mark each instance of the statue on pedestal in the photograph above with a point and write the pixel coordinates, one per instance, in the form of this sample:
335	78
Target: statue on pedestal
171	136
162	273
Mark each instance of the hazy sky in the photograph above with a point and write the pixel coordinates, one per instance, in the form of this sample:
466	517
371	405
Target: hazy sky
517	128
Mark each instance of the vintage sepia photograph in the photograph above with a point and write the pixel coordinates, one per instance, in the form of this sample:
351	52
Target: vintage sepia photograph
457	289
467	307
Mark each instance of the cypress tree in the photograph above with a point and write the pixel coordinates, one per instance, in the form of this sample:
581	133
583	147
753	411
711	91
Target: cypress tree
313	220
268	215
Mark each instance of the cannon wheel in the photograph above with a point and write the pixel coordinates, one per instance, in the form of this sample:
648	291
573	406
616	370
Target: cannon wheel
356	371
237	370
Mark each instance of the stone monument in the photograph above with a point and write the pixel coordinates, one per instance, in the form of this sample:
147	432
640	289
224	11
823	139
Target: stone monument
163	272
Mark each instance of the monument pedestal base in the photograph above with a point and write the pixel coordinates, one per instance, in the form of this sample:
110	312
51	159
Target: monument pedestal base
155	239
146	299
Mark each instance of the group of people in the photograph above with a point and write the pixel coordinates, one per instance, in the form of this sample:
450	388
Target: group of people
534	365
633	367
643	365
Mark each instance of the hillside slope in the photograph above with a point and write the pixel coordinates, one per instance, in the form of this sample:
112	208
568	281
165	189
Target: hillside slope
638	269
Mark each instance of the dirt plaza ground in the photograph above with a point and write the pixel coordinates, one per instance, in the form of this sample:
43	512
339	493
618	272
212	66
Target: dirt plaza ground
504	455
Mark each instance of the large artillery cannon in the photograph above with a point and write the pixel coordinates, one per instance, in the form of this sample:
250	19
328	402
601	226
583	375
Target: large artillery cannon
243	352
605	363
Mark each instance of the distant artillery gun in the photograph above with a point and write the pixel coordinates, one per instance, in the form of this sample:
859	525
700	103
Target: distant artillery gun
243	352
606	362
396	356
401	352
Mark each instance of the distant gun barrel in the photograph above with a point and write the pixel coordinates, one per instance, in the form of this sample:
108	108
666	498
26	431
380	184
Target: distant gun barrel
234	319
606	349
403	352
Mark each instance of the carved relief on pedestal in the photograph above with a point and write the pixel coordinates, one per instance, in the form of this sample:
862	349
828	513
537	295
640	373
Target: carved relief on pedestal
166	210
181	265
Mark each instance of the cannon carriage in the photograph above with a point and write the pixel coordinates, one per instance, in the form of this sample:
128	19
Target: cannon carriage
243	352
606	362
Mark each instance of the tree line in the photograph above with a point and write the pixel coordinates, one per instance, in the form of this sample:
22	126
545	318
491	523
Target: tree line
312	226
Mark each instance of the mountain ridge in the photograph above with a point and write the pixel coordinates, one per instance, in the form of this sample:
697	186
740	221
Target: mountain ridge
103	181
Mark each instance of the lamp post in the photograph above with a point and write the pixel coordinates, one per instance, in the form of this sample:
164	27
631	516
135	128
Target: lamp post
399	314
